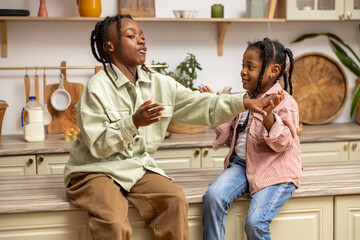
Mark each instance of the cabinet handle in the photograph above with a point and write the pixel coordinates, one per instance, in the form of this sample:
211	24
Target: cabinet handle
197	152
41	158
30	161
349	15
354	146
346	146
206	152
341	16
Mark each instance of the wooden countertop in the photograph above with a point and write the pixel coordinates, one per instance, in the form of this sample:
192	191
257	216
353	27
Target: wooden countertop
54	143
47	192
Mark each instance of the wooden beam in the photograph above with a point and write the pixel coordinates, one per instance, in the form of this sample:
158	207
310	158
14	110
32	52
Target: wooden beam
4	50
221	27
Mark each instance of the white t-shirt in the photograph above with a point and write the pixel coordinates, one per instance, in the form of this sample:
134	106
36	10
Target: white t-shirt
240	147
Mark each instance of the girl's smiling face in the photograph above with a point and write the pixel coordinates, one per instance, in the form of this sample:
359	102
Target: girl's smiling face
132	42
251	69
252	64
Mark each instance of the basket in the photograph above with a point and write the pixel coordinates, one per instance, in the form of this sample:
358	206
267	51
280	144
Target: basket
177	127
3	106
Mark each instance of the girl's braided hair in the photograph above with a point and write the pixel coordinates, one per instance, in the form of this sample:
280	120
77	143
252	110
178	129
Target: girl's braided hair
99	38
271	52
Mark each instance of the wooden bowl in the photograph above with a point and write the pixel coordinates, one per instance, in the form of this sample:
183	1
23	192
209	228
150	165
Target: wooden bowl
320	87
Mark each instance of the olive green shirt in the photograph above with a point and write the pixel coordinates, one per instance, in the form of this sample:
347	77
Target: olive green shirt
108	140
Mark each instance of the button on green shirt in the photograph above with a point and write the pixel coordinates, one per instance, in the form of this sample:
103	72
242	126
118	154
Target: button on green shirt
108	140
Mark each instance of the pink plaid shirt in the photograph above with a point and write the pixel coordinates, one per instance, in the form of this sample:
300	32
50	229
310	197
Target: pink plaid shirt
271	157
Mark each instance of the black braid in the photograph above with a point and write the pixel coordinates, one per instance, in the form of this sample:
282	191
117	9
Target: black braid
267	53
291	59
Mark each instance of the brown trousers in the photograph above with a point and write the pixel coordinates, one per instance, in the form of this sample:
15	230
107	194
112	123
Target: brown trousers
160	203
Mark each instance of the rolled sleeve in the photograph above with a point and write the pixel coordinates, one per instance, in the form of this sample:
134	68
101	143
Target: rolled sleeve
279	138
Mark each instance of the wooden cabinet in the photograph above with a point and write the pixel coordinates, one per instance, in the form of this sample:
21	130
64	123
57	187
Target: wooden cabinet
323	10
190	157
354	150
45	226
33	164
330	151
18	165
51	163
347	218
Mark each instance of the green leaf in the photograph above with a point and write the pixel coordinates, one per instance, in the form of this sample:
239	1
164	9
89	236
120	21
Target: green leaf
331	35
306	36
345	59
355	101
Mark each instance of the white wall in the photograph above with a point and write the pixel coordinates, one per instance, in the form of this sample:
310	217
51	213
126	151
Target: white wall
37	43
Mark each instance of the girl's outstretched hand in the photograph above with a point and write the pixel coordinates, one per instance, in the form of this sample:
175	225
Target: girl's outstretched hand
147	114
207	89
263	105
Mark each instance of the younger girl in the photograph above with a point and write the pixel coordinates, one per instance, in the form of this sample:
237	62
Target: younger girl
123	114
264	157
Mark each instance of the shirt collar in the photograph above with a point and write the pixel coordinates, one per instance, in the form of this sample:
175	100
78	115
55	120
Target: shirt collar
121	79
274	89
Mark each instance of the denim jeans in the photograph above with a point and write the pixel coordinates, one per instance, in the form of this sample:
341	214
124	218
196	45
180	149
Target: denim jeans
229	185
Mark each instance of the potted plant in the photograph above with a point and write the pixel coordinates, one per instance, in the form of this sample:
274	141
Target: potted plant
350	61
185	73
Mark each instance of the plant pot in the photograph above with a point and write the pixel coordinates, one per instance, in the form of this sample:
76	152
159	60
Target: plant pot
3	106
177	127
358	107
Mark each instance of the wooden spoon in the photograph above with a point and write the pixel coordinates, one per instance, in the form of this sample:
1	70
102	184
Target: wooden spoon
37	88
27	93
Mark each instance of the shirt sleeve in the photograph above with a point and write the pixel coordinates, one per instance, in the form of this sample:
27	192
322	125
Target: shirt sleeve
284	130
104	131
208	109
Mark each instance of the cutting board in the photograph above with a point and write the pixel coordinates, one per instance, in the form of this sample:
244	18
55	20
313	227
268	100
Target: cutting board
320	87
62	120
137	8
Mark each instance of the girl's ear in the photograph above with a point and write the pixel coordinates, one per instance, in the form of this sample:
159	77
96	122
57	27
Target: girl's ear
111	46
275	70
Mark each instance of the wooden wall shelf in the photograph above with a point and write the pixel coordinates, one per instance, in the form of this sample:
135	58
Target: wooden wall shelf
222	24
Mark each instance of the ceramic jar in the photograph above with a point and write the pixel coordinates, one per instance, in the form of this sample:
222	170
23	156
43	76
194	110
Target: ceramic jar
89	8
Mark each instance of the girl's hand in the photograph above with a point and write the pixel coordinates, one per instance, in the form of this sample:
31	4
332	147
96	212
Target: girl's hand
207	89
147	114
261	105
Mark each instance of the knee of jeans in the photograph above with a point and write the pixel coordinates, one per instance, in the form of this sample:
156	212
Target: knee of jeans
253	223
212	197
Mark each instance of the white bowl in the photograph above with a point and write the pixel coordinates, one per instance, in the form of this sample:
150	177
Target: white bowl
185	13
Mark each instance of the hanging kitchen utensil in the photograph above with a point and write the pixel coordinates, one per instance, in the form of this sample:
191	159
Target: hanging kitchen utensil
62	120
60	99
47	115
37	86
27	93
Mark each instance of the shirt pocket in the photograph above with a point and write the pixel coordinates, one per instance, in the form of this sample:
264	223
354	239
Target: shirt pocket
116	114
255	126
156	132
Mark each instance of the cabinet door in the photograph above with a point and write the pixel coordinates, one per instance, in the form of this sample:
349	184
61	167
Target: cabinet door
315	10
300	218
178	158
347	217
52	163
60	225
324	152
18	165
354	151
212	158
352	9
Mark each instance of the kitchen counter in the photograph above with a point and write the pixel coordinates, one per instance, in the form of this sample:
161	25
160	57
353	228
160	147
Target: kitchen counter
47	192
54	143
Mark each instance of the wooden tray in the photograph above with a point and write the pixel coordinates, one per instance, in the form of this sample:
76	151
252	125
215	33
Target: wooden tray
320	87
